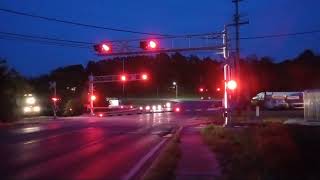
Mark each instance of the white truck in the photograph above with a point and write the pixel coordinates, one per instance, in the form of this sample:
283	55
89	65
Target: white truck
279	100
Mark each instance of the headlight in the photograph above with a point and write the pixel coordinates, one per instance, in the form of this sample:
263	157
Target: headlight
36	109
30	100
154	108
27	109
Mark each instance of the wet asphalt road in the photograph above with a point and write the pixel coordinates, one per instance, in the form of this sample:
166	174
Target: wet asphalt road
82	148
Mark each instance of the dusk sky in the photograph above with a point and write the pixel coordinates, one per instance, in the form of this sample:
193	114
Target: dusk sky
266	17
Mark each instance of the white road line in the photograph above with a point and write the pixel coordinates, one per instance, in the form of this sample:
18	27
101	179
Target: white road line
142	161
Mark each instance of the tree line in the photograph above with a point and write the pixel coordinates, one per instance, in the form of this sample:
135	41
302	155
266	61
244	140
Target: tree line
190	72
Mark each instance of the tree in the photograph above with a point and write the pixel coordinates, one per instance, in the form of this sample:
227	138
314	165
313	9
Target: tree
13	86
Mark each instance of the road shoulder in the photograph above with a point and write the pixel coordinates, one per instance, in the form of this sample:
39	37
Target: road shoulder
197	161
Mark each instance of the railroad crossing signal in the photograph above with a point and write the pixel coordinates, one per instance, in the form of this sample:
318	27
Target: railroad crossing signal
103	48
93	97
111	78
148	45
144	77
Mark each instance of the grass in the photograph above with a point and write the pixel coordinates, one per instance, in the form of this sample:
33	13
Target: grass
265	116
269	151
164	166
268	115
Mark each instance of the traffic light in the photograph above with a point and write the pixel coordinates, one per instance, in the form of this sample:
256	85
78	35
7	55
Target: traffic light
144	77
102	48
232	85
93	97
123	78
148	45
201	90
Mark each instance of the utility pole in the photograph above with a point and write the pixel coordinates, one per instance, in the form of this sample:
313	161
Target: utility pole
123	82
53	85
237	22
91	89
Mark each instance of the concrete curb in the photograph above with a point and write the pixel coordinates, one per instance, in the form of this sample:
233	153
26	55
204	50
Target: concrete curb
176	134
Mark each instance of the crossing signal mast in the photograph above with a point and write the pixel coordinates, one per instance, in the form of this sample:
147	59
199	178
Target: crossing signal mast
151	46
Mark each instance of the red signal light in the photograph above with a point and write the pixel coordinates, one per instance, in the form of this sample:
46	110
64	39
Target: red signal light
105	48
177	109
232	84
152	44
102	48
201	89
93	97
54	99
144	77
123	77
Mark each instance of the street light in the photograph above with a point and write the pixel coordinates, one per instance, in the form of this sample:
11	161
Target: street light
176	86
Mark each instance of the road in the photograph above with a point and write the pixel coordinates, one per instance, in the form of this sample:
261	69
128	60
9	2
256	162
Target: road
82	148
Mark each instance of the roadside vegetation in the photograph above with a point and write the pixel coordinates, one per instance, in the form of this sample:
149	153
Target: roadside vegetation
164	166
268	115
266	151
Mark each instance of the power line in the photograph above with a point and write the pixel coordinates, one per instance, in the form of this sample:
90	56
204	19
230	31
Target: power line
50	40
163	36
78	23
42	42
281	35
84	44
45	38
116	43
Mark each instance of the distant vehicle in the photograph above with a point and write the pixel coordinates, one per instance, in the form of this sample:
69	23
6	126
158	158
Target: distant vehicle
30	105
279	100
113	102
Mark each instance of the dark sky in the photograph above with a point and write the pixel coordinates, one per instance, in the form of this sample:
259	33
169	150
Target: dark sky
158	16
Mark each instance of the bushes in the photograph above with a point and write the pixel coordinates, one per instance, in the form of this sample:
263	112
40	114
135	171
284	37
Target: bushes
73	107
263	152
